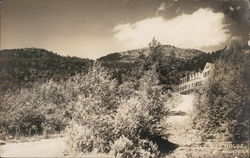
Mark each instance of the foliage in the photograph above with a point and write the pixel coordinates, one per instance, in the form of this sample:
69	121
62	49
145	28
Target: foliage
103	108
120	109
170	65
122	147
80	139
125	148
140	114
21	68
223	108
34	110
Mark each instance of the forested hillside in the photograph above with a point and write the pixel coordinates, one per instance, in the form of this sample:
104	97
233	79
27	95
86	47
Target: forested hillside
22	67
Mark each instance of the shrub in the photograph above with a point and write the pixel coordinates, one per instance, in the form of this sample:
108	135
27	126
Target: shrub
118	122
80	139
96	102
34	110
122	147
147	149
125	148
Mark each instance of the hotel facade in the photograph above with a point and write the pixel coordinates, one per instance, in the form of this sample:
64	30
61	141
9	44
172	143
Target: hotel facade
194	82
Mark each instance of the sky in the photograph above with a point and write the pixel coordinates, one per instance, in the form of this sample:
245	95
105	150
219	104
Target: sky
94	28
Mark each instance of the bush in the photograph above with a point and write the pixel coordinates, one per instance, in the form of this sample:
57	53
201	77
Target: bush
122	147
125	148
119	122
41	108
80	139
147	149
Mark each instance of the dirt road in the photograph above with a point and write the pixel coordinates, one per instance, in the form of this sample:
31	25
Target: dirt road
179	126
53	147
180	122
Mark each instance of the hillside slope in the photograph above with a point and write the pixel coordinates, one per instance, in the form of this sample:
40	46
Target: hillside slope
23	67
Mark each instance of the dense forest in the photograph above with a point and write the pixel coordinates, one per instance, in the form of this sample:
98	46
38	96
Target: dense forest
22	67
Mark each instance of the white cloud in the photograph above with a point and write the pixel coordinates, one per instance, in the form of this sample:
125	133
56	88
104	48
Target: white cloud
200	30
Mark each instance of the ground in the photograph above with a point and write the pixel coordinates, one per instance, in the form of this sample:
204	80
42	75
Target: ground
53	147
179	122
179	125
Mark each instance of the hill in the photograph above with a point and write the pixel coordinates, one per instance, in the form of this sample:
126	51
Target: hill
22	67
131	55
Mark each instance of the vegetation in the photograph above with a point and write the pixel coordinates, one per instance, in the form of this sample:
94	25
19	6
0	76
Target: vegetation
223	108
170	68
123	120
118	107
98	112
20	68
41	108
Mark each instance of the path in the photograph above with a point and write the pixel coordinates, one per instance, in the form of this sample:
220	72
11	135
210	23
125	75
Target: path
179	126
53	147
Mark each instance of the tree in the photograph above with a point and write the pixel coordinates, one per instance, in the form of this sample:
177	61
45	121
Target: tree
223	108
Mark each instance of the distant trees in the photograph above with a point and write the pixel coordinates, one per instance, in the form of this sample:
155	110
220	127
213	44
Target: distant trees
21	68
223	109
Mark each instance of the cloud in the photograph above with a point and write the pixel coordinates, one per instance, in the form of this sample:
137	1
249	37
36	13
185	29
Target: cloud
200	30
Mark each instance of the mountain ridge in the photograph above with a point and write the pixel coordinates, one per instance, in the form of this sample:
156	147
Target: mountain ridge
168	50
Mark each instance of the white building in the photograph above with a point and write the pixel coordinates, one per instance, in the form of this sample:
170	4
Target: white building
196	81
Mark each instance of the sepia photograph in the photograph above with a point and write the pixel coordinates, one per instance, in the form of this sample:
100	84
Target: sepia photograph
125	78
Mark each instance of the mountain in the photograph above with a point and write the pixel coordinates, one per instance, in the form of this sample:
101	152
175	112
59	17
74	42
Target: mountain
22	67
131	55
